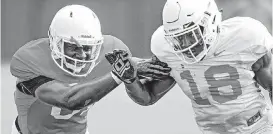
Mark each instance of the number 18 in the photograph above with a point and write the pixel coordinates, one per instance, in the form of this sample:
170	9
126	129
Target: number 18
214	84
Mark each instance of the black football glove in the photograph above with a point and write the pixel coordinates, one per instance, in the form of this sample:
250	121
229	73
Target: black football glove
153	68
122	65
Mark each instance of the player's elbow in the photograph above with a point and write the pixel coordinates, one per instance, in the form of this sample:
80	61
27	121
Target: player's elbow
147	103
153	100
143	101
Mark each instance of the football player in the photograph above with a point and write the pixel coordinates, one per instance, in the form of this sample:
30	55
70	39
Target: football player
60	77
222	66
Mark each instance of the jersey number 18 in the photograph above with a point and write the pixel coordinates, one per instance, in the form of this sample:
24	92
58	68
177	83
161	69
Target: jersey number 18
214	84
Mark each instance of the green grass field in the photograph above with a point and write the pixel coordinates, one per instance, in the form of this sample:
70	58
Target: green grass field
117	113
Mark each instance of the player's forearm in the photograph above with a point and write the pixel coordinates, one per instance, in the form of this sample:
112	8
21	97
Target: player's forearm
80	95
85	94
148	92
269	77
264	78
269	87
138	92
267	81
263	72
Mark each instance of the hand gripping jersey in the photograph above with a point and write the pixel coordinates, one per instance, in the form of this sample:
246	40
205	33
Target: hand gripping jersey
224	95
36	117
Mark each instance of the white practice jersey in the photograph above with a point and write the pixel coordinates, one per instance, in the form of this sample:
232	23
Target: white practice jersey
224	95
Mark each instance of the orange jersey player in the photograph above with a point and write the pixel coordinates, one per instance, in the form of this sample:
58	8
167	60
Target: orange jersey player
60	77
222	66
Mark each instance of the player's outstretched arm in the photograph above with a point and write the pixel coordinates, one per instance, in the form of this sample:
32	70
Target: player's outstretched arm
155	89
263	72
62	95
153	76
146	80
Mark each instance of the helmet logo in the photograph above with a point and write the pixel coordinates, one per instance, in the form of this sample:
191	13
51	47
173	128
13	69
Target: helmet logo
173	30
86	36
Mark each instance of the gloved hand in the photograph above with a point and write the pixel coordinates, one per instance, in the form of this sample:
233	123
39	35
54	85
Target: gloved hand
122	65
152	69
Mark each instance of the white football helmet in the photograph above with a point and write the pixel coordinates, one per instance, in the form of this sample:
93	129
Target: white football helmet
75	24
191	27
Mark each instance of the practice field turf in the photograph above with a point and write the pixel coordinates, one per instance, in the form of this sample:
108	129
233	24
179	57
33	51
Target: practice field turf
117	113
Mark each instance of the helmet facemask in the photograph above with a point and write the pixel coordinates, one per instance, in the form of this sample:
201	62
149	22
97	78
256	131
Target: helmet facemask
193	30
189	45
70	64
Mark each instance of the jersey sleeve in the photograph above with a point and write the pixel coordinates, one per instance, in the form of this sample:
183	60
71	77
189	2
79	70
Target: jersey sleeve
266	39
161	49
258	33
155	40
27	80
20	70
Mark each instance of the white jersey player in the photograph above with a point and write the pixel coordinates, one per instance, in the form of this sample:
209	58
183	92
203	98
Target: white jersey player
222	66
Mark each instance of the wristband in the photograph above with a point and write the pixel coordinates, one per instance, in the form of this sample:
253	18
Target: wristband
118	81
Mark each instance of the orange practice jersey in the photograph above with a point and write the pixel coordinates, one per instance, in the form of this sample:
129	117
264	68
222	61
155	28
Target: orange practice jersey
35	117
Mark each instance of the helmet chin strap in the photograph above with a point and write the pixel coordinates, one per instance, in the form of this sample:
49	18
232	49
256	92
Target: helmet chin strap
74	68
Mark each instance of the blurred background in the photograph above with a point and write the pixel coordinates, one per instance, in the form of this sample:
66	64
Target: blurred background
133	21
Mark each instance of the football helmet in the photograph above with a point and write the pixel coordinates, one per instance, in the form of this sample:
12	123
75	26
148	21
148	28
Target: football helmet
75	24
191	27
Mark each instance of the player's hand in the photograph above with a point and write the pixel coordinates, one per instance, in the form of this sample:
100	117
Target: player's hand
153	69
123	67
